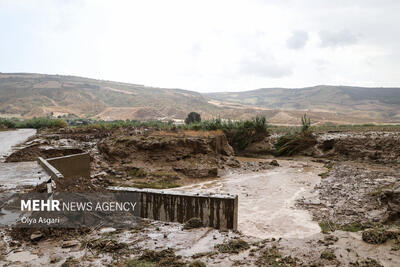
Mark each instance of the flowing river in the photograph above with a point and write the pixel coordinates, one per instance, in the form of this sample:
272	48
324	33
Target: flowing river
267	198
17	174
8	139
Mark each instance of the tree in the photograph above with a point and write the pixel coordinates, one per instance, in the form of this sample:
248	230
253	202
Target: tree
192	117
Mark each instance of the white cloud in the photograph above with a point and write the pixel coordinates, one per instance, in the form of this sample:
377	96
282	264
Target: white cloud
205	45
337	38
297	40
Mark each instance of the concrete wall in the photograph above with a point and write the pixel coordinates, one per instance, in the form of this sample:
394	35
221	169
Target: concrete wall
215	210
77	165
53	172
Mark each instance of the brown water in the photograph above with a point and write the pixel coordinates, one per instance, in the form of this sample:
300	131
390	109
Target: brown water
16	174
8	139
267	198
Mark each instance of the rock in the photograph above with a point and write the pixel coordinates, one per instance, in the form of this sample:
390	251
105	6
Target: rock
274	163
36	236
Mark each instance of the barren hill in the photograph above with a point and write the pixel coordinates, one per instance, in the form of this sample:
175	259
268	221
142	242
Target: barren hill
348	103
38	95
30	95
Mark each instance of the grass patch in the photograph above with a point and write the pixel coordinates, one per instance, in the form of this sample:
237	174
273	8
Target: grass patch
355	227
164	174
70	262
164	257
138	263
327	226
366	263
233	246
155	185
204	254
105	245
137	172
323	175
396	244
328	254
272	257
197	264
378	235
377	192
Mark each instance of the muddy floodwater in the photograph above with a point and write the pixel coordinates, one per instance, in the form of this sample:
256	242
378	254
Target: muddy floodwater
8	139
16	174
267	198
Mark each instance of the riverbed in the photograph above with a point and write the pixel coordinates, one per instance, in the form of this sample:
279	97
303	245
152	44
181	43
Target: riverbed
267	198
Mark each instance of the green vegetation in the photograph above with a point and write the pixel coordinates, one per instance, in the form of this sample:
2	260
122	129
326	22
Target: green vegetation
396	244
293	143
37	123
138	263
378	235
327	226
193	117
197	264
204	254
272	257
70	261
156	185
239	133
137	172
164	257
233	246
328	254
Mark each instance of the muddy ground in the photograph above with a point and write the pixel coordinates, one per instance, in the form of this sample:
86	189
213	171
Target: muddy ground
337	204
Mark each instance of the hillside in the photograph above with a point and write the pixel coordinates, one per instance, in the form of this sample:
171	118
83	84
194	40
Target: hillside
375	104
35	95
38	95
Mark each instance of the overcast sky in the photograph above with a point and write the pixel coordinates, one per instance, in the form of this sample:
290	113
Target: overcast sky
202	45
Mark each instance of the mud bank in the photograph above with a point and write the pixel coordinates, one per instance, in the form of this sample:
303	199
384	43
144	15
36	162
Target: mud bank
376	147
356	192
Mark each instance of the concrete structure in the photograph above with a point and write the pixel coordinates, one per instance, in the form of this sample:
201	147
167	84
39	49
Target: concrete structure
215	210
53	172
77	165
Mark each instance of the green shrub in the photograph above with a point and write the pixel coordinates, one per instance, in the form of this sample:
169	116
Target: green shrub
239	133
36	123
6	123
293	143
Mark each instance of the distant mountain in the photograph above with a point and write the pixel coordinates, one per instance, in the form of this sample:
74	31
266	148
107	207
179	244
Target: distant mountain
375	104
35	95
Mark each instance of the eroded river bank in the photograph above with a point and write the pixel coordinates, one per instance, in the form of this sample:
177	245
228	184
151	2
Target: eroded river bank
298	211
